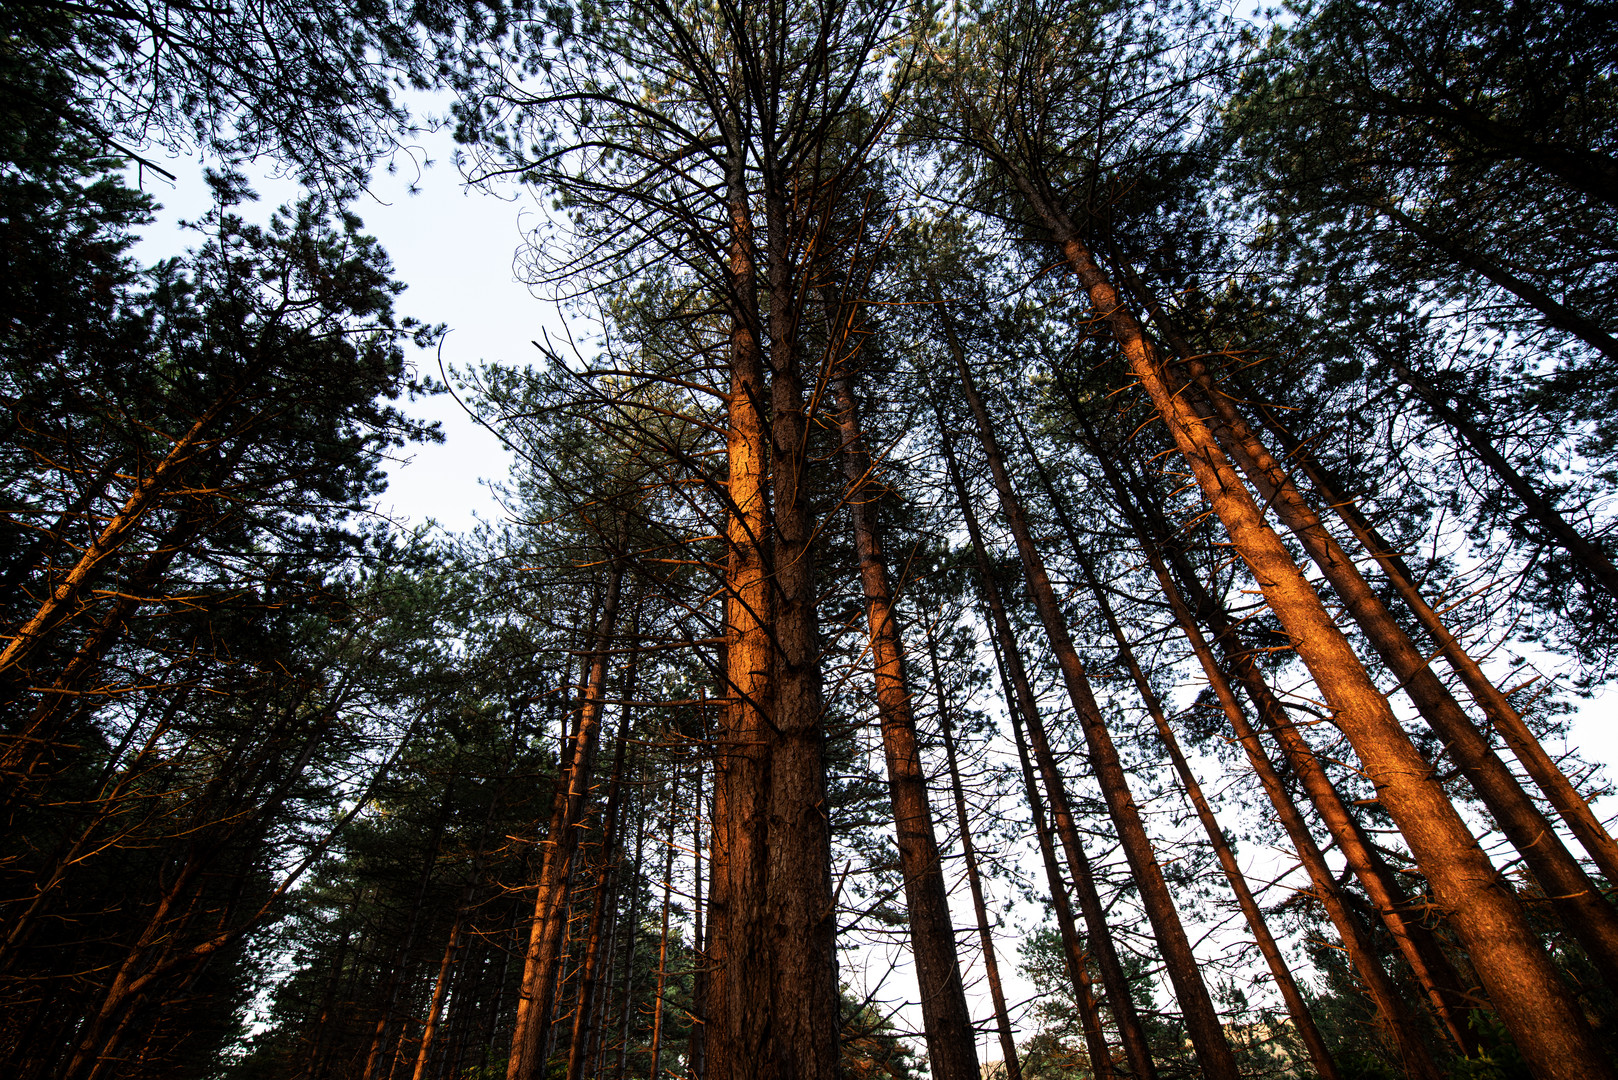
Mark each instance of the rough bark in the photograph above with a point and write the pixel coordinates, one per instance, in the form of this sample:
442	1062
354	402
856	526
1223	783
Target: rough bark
1521	981
741	963
798	1035
951	1049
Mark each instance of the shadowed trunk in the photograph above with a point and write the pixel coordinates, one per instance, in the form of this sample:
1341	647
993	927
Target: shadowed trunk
951	1049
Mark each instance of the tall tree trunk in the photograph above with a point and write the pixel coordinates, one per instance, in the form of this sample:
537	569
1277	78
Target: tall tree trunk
440	986
951	1049
744	984
1440	983
974	881
799	1036
1078	970
1519	977
1130	1030
543	959
712	958
1201	1019
1297	1008
1587	914
1569	804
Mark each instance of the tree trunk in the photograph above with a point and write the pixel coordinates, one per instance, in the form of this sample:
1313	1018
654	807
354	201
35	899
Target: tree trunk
440	985
1130	1031
693	1045
1569	804
736	1041
1432	969
798	1035
1521	981
1586	913
1078	969
951	1049
1297	1008
1201	1019
543	959
991	963
59	603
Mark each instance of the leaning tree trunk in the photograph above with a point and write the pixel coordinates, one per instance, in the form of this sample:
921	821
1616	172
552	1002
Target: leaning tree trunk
1570	805
1297	1008
1522	982
1201	1019
1440	983
1078	970
951	1049
1587	914
1130	1030
543	960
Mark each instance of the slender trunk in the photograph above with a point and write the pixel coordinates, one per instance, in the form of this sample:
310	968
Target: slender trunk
1078	969
1541	509
61	601
609	837
1297	1008
26	747
1130	1031
1569	804
1557	314
396	978
663	941
49	542
627	1010
440	985
712	958
1521	981
974	881
951	1049
1586	913
1201	1019
543	960
693	1045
